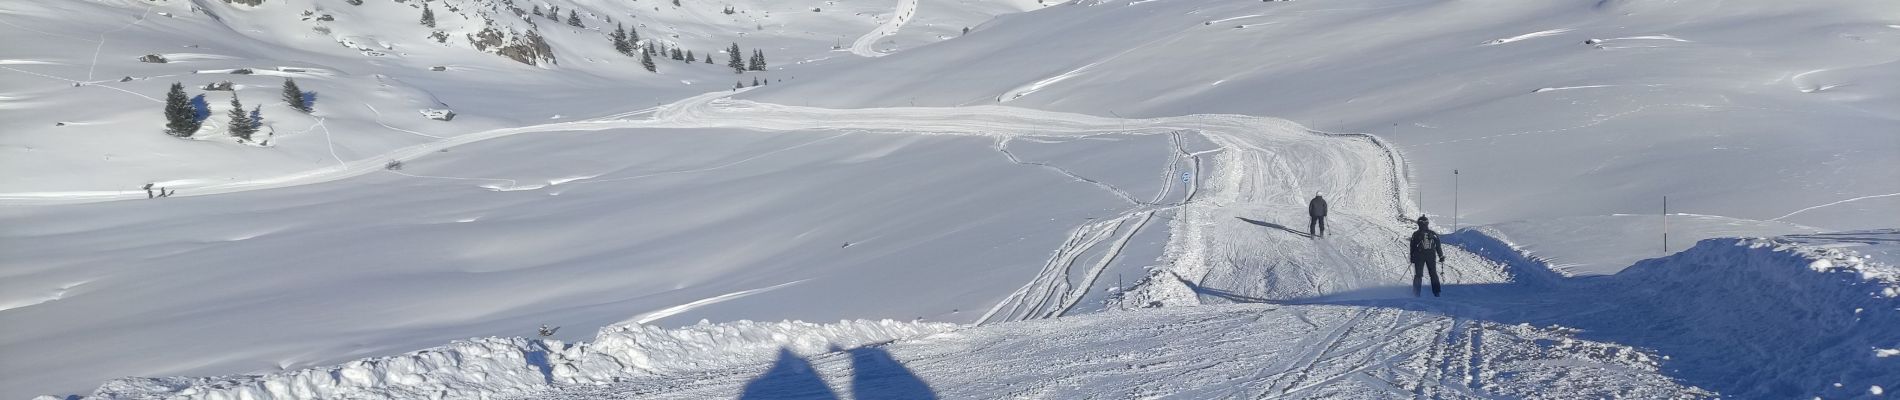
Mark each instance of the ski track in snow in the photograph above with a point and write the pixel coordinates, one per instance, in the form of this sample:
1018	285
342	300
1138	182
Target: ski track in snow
102	39
1234	351
1834	204
865	46
655	315
1241	140
1532	35
379	121
1345	351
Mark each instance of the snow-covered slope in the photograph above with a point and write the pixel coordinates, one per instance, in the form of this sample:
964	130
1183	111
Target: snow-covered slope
1537	338
1205	352
83	116
493	367
1089	156
1756	110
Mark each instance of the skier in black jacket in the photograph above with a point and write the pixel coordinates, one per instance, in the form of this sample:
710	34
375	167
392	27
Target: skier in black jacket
1426	254
1317	210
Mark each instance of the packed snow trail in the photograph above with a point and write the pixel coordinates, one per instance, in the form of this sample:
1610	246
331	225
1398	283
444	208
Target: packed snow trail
1263	164
1536	338
1236	351
866	46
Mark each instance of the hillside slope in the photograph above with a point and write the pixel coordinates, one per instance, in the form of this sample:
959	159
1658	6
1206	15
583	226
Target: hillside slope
1764	110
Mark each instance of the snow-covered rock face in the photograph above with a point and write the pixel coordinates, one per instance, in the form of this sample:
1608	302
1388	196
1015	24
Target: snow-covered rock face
494	366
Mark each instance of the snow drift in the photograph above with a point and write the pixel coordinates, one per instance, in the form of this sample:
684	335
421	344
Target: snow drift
1774	319
498	366
1786	317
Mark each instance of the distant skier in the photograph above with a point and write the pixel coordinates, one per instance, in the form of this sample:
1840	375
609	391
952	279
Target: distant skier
1426	254
1317	210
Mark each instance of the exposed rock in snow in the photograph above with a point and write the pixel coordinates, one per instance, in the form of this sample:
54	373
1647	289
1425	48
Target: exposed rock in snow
439	114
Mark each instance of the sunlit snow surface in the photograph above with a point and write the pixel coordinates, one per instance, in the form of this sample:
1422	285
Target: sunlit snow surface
898	168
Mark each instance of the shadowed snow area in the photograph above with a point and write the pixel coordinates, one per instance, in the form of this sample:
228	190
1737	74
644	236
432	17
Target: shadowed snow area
991	198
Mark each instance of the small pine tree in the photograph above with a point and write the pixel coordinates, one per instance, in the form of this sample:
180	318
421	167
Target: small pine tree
690	57
181	119
428	16
752	63
294	96
709	58
646	61
755	81
574	19
554	13
651	50
677	55
620	40
633	37
738	66
242	126
537	10
738	85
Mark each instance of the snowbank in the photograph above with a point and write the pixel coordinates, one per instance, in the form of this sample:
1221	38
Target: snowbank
1770	318
498	366
1795	316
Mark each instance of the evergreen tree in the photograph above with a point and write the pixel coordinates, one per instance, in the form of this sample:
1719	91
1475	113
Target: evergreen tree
752	63
690	57
620	40
428	16
709	58
181	119
755	81
633	37
677	55
554	13
738	67
574	19
738	85
646	60
651	50
537	10
242	126
294	96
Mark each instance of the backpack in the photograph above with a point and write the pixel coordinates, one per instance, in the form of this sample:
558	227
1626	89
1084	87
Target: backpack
1426	243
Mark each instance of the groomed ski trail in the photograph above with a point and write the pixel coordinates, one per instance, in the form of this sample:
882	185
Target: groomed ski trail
1227	351
866	45
1261	169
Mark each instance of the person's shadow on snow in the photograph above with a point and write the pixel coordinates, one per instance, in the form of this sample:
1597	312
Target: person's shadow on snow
791	377
875	375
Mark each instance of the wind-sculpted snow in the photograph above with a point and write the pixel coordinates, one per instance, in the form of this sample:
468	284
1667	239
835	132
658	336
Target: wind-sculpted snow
497	366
